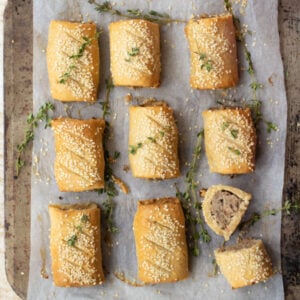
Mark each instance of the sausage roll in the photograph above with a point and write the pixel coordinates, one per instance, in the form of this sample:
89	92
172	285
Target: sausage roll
73	61
135	53
153	142
75	244
159	230
79	162
230	140
213	54
245	263
223	208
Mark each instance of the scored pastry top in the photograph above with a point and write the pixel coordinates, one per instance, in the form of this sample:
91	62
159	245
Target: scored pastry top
213	52
135	53
159	228
79	162
230	140
75	245
153	142
73	61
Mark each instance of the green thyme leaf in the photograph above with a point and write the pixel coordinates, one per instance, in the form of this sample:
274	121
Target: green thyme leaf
235	151
256	85
225	125
72	240
271	127
84	218
134	51
151	139
79	228
234	133
206	63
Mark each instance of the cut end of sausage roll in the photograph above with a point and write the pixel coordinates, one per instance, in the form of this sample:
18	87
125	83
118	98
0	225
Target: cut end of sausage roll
245	263
230	140
223	208
75	244
159	230
213	52
79	162
135	53
73	68
153	142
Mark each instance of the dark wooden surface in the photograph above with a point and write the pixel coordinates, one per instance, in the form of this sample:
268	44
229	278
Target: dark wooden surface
18	102
289	28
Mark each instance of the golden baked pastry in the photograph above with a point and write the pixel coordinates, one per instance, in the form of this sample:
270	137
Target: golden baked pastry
153	142
135	53
73	61
159	231
230	140
75	244
245	263
79	163
223	208
213	54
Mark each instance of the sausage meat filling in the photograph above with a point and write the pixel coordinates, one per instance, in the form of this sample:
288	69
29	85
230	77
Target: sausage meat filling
224	206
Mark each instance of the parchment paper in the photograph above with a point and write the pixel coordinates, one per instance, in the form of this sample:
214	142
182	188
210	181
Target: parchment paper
265	184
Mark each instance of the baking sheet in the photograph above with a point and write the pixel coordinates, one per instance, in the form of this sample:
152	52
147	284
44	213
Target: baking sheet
265	183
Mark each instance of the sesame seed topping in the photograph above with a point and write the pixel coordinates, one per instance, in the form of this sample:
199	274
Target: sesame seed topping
155	128
65	42
230	140
79	162
161	247
77	264
135	53
213	52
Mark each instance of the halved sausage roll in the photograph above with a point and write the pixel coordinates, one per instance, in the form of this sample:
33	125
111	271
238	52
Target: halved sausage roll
159	230
153	142
245	263
135	53
224	207
79	163
230	140
73	61
75	244
213	54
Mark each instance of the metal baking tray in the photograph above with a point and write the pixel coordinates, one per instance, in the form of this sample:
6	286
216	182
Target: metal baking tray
18	57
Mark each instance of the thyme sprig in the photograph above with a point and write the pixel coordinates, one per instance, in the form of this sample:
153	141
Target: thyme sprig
288	207
190	203
234	150
134	52
109	187
206	63
256	104
73	239
32	123
75	57
152	15
149	139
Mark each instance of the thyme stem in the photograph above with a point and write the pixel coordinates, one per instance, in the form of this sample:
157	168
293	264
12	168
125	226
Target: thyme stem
152	15
32	124
191	205
75	57
109	188
255	104
288	207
